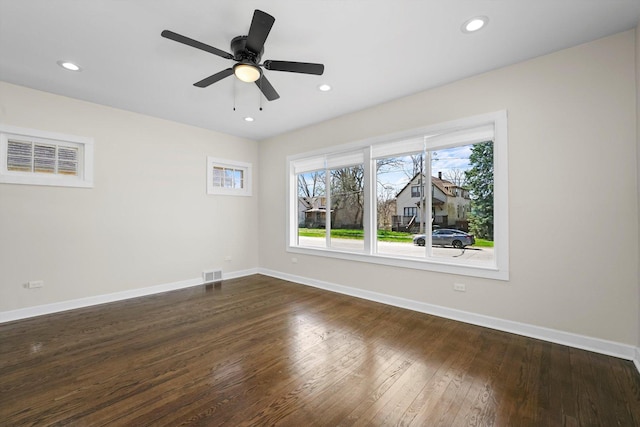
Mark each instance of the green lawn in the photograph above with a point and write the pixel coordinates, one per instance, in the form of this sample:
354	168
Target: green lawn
386	236
383	235
484	243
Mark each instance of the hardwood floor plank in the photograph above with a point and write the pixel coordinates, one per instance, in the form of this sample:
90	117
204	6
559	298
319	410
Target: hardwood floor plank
624	374
587	391
482	375
263	351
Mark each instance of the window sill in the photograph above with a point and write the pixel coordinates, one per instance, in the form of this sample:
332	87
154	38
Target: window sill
53	181
487	272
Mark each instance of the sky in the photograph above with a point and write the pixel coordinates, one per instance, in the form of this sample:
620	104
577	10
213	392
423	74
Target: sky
444	160
396	175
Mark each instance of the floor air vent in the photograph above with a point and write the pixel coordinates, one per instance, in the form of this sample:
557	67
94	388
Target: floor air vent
212	276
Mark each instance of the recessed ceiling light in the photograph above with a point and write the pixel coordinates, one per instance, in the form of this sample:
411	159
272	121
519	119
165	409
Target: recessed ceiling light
474	24
69	66
324	88
248	119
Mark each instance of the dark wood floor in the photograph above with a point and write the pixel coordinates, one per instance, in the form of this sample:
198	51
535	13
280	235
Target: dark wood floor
262	351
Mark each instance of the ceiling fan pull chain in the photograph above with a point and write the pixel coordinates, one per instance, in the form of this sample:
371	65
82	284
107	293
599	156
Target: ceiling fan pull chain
234	95
260	94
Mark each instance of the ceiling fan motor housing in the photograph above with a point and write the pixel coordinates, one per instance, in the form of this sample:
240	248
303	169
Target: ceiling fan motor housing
241	53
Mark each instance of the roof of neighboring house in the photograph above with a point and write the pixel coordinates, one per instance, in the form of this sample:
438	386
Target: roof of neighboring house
442	184
312	202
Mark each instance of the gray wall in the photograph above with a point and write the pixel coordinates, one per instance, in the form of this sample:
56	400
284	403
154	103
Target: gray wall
148	221
573	192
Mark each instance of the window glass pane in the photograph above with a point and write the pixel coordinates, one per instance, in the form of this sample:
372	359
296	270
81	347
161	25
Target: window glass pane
237	179
398	183
312	209
44	158
68	160
228	178
347	208
462	204
218	174
19	156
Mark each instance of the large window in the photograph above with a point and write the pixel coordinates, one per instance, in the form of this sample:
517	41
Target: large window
433	198
29	156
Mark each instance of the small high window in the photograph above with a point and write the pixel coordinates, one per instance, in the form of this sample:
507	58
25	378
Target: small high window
36	157
228	177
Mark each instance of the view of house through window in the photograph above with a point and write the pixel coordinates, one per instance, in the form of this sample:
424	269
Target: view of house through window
454	207
312	209
427	198
448	215
344	219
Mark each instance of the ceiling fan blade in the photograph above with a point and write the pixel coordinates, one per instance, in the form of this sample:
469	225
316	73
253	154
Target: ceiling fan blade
294	67
214	78
266	88
194	43
260	27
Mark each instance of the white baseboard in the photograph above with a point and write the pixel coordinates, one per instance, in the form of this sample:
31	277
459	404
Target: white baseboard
39	310
609	348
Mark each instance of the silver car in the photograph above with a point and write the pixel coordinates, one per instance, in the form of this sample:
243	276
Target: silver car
446	237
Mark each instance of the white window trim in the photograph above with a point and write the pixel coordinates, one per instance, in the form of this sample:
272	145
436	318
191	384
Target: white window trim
232	164
441	132
84	179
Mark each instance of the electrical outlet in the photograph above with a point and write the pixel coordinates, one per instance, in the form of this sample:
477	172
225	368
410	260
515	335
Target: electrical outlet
34	284
294	260
460	287
227	258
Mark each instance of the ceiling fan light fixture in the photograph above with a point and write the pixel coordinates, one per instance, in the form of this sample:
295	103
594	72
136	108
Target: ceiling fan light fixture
246	72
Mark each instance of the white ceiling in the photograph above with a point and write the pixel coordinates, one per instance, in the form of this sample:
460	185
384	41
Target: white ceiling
373	51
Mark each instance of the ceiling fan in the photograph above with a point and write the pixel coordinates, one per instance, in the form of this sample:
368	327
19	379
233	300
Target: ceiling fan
247	51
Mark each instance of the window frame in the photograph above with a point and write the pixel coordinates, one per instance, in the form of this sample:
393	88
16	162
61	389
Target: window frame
84	145
235	165
439	136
